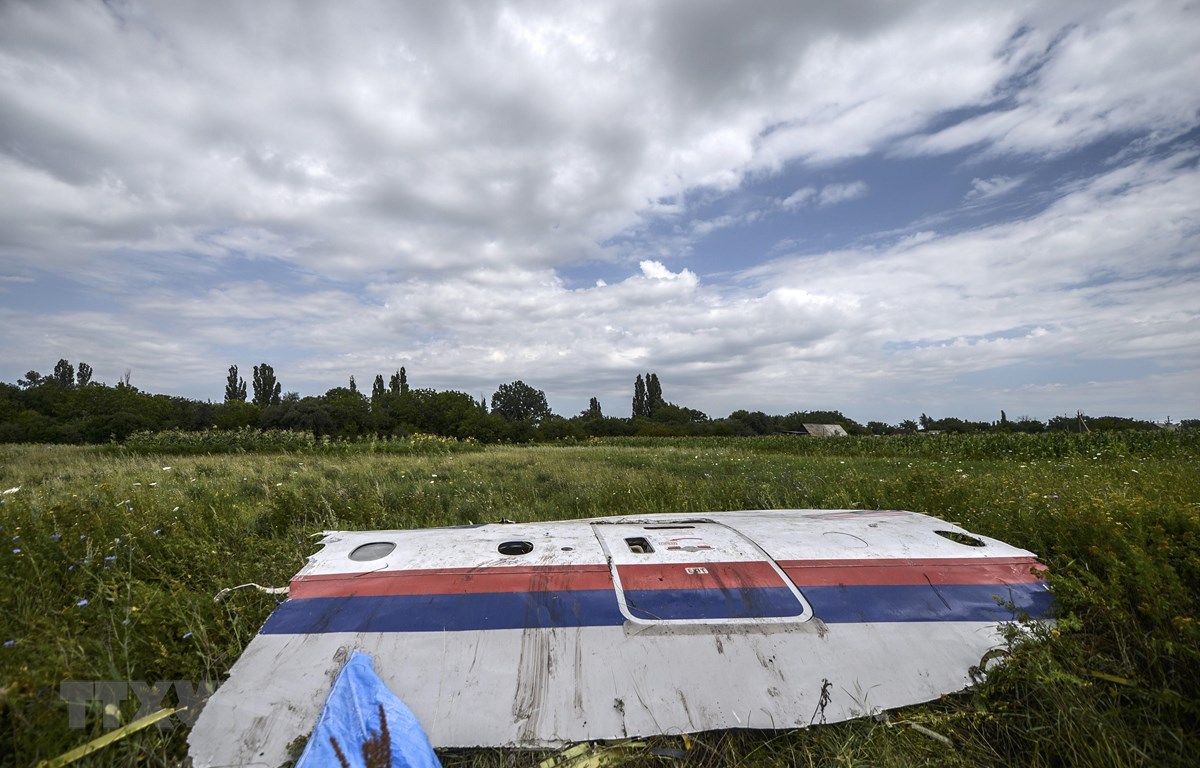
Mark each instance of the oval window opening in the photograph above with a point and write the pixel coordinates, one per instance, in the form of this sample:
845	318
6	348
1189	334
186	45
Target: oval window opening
373	551
515	548
961	538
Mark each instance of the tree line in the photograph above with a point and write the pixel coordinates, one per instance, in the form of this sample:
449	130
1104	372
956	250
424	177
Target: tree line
68	406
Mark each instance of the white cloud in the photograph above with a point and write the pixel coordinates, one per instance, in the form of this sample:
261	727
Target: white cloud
393	137
798	199
996	186
840	193
656	271
344	190
1086	277
1124	69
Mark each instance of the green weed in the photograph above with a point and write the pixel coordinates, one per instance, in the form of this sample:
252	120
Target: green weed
111	558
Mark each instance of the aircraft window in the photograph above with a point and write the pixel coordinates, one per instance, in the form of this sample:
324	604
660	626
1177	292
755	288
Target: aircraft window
638	545
961	538
515	548
666	527
374	551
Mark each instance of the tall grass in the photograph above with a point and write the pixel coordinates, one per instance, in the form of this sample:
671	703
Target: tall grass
148	536
178	442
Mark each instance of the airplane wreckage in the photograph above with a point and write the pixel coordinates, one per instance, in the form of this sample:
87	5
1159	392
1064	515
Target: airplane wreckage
544	634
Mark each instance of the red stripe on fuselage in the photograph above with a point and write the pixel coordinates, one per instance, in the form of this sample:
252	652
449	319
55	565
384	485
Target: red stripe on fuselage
451	581
647	576
976	570
739	575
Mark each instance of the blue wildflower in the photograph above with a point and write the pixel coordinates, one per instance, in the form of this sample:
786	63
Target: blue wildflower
81	603
55	537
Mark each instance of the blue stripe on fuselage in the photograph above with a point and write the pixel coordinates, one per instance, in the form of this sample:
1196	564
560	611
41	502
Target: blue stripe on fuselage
693	604
590	608
923	602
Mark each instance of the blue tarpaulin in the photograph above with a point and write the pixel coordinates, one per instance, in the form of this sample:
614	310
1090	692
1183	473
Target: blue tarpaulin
352	716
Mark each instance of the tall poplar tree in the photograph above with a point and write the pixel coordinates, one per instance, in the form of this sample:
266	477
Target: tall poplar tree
235	387
83	376
654	397
398	384
266	388
639	397
377	388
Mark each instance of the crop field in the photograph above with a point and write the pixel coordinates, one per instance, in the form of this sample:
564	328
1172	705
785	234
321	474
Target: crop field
112	557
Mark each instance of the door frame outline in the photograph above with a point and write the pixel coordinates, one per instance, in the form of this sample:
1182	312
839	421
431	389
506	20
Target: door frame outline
806	612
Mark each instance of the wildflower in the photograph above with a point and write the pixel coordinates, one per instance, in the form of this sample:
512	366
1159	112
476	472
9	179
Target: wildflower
10	490
81	603
153	485
166	469
9	643
126	621
187	635
16	551
110	559
55	537
157	531
17	537
176	509
82	536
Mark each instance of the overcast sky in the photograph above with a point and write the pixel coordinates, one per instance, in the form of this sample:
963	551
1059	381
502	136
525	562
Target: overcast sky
884	208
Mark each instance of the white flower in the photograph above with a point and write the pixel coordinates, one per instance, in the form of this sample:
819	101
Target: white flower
11	490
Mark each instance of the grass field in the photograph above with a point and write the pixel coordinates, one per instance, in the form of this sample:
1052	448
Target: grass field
111	558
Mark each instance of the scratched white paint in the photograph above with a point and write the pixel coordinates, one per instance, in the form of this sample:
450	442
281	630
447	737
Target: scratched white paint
544	687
